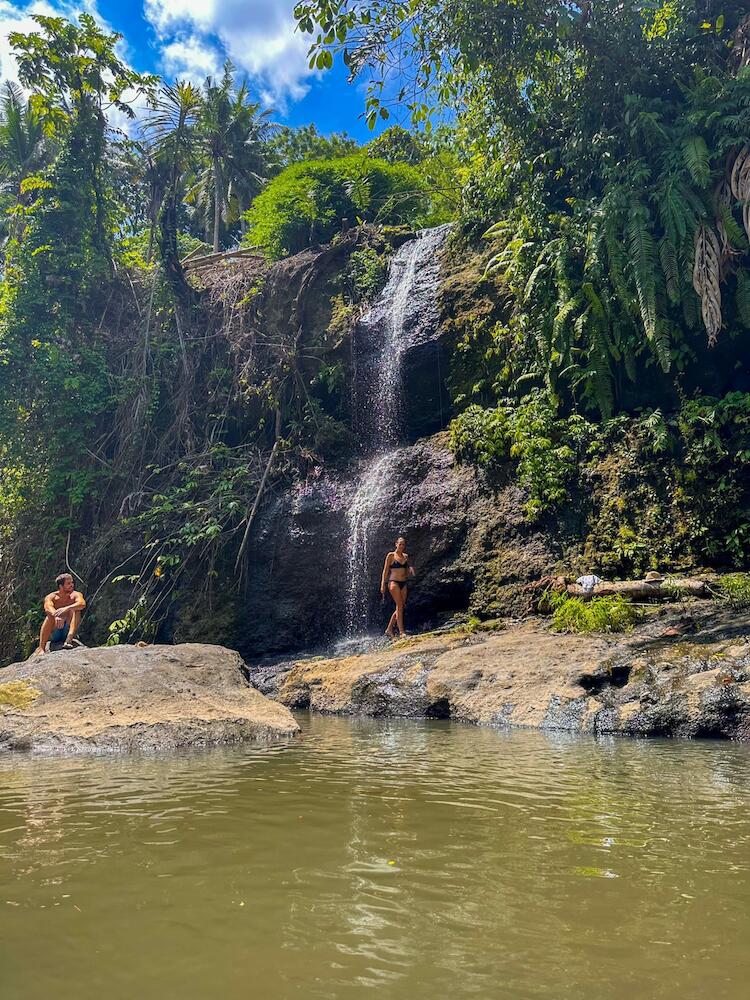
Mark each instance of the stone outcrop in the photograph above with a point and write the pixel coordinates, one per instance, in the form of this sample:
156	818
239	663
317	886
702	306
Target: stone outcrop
128	698
654	681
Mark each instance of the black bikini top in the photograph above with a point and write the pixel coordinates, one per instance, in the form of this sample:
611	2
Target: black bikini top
399	565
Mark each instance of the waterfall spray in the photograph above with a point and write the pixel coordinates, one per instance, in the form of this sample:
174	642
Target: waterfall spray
399	315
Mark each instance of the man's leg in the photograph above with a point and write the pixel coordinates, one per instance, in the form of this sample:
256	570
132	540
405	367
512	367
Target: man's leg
48	627
74	621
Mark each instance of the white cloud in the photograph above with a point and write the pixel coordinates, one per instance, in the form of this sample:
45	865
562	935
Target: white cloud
190	57
18	19
259	37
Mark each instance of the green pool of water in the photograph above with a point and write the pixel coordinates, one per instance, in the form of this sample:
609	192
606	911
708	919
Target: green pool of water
365	859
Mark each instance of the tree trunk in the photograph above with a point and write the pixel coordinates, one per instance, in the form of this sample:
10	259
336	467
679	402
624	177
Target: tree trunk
151	233
218	202
672	589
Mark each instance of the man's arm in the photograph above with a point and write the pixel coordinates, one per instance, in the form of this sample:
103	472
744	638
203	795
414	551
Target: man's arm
49	607
79	601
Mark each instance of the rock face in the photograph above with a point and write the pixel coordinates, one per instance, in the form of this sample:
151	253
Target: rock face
469	543
127	698
649	683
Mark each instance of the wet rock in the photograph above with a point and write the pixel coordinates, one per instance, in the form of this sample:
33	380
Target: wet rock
471	547
127	698
527	676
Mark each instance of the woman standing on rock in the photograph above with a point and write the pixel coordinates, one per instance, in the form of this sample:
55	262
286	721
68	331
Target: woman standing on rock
396	573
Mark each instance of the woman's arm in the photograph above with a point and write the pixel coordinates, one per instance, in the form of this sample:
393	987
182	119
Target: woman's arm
386	571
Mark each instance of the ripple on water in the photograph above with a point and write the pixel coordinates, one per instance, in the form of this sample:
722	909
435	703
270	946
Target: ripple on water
417	860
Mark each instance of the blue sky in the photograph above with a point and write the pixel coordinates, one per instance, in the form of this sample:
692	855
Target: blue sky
192	38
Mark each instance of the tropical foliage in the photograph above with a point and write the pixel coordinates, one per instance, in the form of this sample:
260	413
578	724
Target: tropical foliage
610	141
308	203
600	614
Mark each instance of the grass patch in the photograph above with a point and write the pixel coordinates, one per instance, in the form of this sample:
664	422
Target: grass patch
735	588
18	694
600	614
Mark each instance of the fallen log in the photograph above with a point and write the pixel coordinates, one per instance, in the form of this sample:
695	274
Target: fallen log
198	263
641	590
671	588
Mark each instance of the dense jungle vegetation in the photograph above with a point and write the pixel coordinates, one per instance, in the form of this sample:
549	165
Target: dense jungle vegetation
595	157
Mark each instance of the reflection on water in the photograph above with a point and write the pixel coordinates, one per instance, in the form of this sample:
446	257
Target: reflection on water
403	860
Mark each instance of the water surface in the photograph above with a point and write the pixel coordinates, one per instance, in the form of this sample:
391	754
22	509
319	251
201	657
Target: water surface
396	860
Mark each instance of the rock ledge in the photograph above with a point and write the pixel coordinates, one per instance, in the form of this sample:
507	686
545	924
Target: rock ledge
658	680
127	698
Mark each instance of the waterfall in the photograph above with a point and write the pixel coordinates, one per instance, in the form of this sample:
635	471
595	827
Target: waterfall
405	310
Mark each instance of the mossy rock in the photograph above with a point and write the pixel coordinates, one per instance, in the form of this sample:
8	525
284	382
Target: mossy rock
17	695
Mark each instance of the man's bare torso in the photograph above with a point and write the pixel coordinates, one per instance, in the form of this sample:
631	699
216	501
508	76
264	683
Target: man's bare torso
59	600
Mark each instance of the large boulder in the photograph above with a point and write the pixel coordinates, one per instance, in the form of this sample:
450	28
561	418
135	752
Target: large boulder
130	698
652	682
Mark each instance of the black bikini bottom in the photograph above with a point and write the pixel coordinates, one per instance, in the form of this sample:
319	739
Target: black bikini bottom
401	583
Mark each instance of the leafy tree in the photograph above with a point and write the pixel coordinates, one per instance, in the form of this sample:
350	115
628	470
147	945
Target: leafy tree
53	385
396	145
70	67
297	145
308	202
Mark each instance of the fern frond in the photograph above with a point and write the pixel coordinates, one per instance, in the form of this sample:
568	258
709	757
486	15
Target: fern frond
660	345
595	302
643	266
735	234
563	314
617	264
533	277
670	268
697	159
600	373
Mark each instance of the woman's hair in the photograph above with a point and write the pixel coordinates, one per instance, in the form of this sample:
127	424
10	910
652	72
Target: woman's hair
400	539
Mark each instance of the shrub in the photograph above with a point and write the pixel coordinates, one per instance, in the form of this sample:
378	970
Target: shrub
308	202
367	273
544	445
480	436
736	589
600	614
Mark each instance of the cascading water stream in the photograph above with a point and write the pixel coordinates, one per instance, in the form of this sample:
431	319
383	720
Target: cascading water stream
401	312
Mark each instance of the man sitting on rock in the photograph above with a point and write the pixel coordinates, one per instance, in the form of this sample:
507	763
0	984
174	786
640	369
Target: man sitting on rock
62	611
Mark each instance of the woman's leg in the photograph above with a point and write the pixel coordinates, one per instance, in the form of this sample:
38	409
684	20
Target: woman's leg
404	599
391	623
392	590
397	593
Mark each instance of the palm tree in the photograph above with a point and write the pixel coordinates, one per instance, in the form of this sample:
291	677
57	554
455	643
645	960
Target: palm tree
156	172
231	135
24	148
172	128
